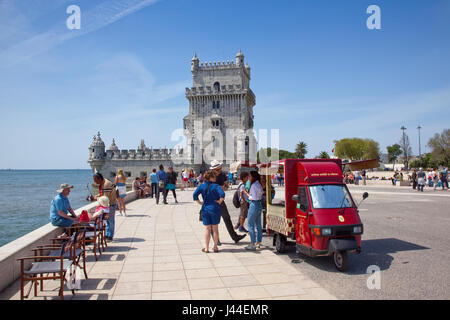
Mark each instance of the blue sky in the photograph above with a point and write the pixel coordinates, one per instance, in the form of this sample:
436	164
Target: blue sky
318	73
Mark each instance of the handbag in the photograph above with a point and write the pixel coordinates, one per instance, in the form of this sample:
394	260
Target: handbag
84	217
161	184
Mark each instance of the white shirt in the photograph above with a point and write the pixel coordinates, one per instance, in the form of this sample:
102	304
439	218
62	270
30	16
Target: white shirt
256	191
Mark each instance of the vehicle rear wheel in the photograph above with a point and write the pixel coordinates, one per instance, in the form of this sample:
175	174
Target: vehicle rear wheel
340	260
280	243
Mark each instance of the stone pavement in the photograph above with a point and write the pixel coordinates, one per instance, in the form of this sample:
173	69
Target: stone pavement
157	255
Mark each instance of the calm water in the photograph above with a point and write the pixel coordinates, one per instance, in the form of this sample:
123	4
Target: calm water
25	197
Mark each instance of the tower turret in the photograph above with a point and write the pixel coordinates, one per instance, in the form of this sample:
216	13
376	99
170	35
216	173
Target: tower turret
240	59
113	146
97	148
195	63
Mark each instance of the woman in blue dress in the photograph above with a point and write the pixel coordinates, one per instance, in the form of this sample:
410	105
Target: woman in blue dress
213	196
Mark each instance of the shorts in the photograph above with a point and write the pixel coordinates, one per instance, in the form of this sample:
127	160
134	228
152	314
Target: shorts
123	196
243	210
61	222
170	186
209	218
185	179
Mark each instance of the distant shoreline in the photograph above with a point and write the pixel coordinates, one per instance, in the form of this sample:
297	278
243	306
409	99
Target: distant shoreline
45	169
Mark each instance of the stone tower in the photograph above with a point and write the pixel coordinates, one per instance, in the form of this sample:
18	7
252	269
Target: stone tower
97	153
220	120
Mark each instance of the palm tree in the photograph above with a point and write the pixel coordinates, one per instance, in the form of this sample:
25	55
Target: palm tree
323	155
301	150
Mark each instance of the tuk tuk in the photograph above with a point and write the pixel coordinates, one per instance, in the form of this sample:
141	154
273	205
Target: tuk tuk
315	209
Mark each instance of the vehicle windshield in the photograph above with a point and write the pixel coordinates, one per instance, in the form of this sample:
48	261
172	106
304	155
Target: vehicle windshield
329	196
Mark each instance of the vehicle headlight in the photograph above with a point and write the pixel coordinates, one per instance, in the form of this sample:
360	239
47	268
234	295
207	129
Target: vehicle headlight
326	231
357	229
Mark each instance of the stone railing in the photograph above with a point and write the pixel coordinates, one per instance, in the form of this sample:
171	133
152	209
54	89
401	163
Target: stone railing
21	247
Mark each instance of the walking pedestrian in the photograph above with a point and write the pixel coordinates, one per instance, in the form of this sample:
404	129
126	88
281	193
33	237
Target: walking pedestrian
254	211
221	180
213	196
191	178
162	181
243	199
414	178
121	183
153	183
443	177
107	188
171	183
435	178
185	179
357	175
421	180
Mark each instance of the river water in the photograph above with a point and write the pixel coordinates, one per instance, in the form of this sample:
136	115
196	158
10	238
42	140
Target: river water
25	197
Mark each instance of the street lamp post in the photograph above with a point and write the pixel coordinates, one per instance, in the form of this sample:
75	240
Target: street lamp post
405	151
420	152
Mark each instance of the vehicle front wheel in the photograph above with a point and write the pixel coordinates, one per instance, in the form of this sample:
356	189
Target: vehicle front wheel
340	260
280	243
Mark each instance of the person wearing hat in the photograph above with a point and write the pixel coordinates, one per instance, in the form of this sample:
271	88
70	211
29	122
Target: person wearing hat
221	180
107	188
102	208
61	213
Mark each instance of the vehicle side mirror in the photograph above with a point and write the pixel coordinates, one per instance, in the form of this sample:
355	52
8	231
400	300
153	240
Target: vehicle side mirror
296	198
365	195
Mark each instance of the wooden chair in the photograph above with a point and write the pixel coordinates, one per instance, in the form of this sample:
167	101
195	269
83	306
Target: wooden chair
96	236
43	269
76	255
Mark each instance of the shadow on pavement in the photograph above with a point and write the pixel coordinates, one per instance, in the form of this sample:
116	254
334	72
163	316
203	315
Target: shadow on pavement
116	240
374	252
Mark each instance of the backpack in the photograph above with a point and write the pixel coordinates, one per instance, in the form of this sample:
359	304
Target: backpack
236	201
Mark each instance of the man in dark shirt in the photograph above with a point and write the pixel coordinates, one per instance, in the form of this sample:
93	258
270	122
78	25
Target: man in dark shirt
221	180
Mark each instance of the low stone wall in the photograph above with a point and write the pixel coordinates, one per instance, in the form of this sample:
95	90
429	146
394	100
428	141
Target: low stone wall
21	247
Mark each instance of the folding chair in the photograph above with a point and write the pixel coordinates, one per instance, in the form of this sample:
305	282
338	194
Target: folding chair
41	269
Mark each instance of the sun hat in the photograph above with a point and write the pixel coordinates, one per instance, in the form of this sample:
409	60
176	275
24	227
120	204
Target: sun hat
63	186
215	164
103	201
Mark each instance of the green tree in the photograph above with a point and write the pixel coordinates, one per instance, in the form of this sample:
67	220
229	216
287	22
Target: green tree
426	161
356	149
286	154
269	154
301	150
394	152
323	155
440	147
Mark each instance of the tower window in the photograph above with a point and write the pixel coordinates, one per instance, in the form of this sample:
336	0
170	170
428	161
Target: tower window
216	105
217	86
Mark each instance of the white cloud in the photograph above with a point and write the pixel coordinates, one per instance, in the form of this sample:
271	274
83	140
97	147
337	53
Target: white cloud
93	19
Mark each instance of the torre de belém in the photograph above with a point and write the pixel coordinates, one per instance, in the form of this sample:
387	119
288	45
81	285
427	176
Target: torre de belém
219	126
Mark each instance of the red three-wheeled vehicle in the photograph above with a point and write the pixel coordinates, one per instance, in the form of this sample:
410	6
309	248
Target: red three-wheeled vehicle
315	208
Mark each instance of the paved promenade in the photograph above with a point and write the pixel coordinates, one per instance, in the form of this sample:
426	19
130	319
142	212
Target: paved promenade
157	255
